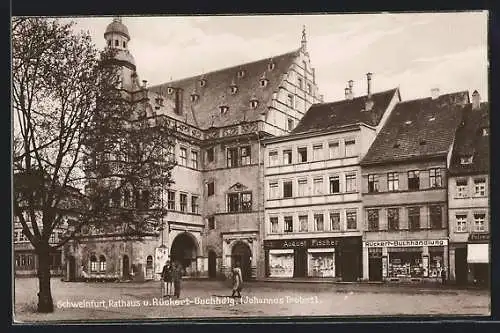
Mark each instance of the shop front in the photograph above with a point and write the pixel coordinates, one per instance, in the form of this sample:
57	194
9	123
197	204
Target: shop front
334	258
407	260
478	258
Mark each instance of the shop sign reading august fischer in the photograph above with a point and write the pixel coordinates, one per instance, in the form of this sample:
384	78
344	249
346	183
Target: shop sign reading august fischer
406	243
301	243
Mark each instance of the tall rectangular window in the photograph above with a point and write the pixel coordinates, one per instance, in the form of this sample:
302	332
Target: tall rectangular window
302	187
233	202
246	202
309	89
210	188
183	202
273	190
232	157
290	100
436	217
393	219
287	156
194	205
350	148
274	224
413	180
352	219
245	155
289	124
318	186
461	186
461	220
303	223
273	158
414	218
350	182
302	154
479	222
392	181
334	184
239	202
170	154
210	155
287	189
317	152
319	222
299	82
211	223
194	159
183	156
479	187
335	221
288	223
171	200
333	150
373	220
435	179
372	183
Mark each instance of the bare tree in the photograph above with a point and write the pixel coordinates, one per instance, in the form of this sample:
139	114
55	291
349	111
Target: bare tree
69	116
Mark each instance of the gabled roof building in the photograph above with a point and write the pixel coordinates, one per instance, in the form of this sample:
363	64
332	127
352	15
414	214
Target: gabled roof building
404	185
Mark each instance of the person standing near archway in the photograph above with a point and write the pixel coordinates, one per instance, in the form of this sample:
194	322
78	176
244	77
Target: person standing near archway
176	277
237	280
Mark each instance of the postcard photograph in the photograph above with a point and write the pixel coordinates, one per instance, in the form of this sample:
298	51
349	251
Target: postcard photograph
250	166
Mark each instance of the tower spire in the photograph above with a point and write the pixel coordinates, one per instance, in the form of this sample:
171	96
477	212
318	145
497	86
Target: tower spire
303	43
117	19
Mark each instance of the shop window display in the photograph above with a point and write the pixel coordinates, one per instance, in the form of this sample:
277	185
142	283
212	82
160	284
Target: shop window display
281	263
436	262
321	264
405	265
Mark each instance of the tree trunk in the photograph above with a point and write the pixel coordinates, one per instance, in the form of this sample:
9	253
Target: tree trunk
45	303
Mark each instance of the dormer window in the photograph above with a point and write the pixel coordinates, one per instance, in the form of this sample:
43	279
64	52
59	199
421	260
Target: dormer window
464	160
117	43
170	90
124	44
159	100
194	97
223	109
203	82
241	73
485	131
263	82
271	66
234	89
254	103
109	42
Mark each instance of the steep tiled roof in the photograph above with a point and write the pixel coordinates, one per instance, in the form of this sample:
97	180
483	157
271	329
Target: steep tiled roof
205	112
326	116
419	128
471	142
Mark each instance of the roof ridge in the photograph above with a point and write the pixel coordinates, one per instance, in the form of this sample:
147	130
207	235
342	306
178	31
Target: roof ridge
226	68
429	97
358	97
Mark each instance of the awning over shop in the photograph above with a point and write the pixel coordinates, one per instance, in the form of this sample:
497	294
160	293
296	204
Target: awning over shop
478	253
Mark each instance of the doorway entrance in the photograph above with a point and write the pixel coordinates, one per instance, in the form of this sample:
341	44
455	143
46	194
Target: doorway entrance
126	268
461	265
184	251
350	265
71	268
241	253
212	265
300	264
149	268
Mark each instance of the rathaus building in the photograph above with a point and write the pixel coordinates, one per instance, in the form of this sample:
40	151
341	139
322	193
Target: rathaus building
216	205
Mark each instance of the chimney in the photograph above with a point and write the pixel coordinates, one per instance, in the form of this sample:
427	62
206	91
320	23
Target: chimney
476	100
346	91
350	84
369	84
435	93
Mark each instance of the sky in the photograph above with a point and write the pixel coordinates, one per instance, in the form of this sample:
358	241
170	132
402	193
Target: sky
413	51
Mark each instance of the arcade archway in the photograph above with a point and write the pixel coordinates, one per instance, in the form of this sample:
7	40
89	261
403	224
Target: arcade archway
242	254
184	251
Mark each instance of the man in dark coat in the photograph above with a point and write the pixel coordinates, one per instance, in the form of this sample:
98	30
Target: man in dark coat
166	275
177	276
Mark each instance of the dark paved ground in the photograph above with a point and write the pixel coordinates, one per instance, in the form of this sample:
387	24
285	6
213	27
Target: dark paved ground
142	300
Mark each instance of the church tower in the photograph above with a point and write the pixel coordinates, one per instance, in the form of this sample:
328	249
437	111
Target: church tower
117	38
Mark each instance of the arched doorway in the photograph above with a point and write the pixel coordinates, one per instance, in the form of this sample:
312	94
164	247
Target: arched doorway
184	251
241	253
71	268
149	268
212	265
126	267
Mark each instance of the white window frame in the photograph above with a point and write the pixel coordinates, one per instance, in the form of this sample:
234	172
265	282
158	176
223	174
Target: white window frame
461	224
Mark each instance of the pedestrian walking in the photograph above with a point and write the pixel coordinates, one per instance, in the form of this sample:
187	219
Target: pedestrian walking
166	275
443	276
237	280
177	276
